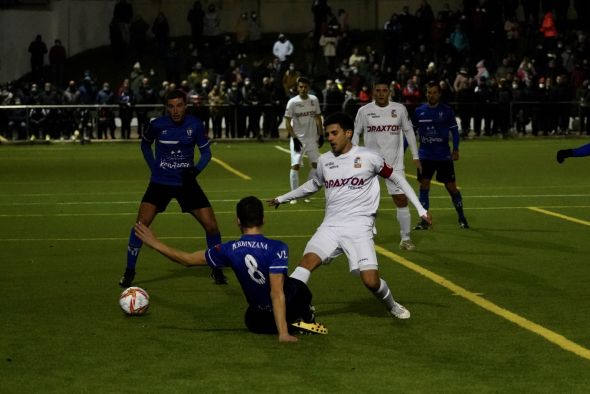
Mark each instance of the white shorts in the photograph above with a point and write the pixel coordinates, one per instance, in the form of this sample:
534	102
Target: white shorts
358	246
392	188
309	147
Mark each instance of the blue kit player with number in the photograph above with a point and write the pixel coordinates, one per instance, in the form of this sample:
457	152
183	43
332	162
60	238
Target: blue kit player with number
260	264
434	122
173	175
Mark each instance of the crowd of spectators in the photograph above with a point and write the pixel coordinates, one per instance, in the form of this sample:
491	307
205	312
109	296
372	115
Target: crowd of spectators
502	74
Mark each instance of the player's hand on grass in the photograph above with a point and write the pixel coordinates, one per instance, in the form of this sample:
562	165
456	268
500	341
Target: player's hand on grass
297	144
287	338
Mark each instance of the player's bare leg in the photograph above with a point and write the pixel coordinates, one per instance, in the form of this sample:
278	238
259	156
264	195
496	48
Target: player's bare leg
206	217
381	291
405	221
294	179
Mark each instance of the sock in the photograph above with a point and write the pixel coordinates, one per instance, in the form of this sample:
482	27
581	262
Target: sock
458	203
404	219
301	274
294	178
133	249
424	199
213	239
383	294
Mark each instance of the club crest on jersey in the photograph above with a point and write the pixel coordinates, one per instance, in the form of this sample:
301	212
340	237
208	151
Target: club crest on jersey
440	115
393	113
189	132
357	162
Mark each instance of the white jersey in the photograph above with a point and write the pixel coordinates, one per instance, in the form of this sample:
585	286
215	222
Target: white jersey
303	113
382	128
351	187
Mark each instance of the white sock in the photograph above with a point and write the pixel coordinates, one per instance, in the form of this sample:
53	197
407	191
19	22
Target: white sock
384	295
404	219
294	178
301	274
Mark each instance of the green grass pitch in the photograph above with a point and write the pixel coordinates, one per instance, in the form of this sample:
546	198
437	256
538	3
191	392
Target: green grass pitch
65	215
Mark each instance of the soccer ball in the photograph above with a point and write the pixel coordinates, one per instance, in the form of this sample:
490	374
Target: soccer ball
134	301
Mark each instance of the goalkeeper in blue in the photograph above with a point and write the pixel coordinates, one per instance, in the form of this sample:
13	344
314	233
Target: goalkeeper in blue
434	122
173	175
580	151
277	304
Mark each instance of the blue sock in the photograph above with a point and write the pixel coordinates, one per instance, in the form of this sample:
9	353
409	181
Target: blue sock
424	199
458	203
213	239
133	250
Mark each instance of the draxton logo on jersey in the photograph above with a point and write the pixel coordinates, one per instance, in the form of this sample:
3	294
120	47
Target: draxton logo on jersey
301	114
384	128
351	181
357	162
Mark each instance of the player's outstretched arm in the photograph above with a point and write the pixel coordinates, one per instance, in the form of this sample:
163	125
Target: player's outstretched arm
148	237
279	308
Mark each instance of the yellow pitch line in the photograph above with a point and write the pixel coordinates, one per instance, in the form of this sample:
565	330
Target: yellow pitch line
533	327
432	182
231	169
559	215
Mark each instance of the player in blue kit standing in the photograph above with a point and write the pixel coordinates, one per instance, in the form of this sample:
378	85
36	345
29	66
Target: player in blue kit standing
173	175
434	122
275	302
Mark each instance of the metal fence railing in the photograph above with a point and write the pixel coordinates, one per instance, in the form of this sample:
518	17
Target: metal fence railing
88	122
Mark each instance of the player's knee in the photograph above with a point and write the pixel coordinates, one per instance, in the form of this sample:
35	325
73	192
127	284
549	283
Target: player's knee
295	167
400	200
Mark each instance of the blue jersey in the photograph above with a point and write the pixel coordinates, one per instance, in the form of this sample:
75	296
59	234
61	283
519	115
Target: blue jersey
175	147
252	258
433	125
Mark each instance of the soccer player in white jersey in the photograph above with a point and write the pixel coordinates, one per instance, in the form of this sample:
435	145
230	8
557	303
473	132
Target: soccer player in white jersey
384	124
303	120
349	174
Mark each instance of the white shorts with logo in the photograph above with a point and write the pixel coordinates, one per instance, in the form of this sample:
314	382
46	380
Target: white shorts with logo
358	246
392	188
309	147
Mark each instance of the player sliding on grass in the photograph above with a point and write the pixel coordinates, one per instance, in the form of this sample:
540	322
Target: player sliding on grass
276	303
349	175
173	175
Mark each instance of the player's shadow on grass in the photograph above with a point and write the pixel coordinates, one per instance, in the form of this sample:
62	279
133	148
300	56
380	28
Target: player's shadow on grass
204	329
197	272
363	307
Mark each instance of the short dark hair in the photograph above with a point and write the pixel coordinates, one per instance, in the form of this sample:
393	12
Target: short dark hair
340	118
177	93
432	84
382	81
303	80
250	212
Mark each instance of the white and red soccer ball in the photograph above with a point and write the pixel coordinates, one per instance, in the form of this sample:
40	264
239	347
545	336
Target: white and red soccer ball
134	301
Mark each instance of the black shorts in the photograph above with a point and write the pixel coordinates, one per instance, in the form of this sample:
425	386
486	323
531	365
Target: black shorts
445	170
297	300
189	197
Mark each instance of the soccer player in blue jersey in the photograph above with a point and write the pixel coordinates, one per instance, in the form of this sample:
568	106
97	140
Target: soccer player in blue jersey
173	175
580	151
434	121
260	264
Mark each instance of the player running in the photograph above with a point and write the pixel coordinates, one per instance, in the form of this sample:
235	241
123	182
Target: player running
173	175
349	174
303	121
434	121
275	301
384	124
